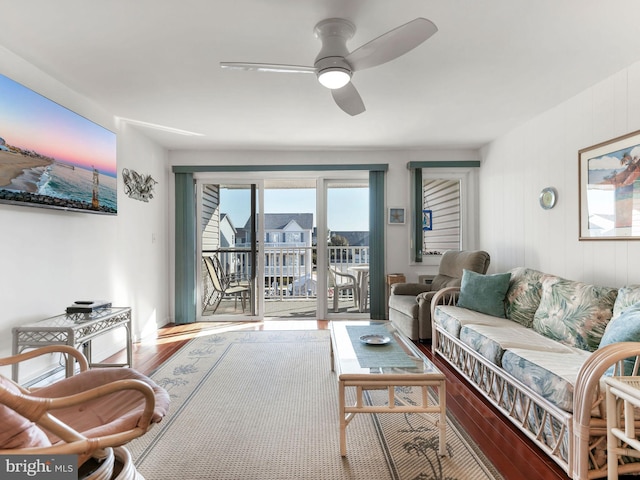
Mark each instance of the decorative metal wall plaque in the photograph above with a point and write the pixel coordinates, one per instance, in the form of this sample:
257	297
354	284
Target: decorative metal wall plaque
138	186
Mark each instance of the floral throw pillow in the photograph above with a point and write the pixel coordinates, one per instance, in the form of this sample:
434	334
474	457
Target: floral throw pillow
574	313
627	296
523	296
623	328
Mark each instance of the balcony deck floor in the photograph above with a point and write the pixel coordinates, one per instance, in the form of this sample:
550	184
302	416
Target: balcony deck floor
285	308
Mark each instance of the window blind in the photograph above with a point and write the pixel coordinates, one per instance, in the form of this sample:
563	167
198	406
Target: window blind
442	197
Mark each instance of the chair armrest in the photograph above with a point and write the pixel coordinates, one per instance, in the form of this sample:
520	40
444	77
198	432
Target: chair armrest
66	349
425	329
587	395
37	409
409	288
346	275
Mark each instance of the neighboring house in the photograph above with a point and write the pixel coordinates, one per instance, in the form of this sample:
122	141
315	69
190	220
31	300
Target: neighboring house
288	243
288	229
218	232
354	239
228	232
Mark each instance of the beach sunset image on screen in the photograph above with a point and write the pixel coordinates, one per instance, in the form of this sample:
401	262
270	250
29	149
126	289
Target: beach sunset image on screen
53	157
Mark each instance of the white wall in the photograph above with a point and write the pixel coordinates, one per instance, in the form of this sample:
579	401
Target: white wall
544	152
50	258
398	186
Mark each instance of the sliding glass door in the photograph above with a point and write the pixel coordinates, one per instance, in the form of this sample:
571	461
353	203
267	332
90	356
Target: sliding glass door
347	220
228	244
225	248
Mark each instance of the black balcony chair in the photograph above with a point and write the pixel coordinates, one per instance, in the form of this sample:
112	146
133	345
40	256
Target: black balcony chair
222	286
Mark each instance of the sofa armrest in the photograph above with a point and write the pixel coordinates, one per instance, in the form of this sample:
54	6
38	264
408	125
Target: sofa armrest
413	289
444	296
587	389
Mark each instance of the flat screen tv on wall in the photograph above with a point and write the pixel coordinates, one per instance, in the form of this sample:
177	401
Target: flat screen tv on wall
52	157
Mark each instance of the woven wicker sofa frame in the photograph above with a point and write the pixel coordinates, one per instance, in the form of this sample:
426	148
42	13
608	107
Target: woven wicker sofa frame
575	441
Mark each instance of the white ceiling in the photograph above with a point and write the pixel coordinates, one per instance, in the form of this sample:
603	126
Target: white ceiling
492	65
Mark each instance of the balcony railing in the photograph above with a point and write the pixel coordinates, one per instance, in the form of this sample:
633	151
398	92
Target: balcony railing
290	272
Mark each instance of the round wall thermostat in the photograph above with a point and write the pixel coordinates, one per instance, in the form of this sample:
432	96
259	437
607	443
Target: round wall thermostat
548	198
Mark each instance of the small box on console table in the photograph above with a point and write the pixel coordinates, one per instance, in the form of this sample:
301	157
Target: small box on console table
87	306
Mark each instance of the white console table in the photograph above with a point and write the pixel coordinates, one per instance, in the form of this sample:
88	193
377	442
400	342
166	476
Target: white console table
76	330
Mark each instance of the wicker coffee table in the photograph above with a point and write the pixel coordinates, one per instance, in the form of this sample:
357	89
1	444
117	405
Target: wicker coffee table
383	359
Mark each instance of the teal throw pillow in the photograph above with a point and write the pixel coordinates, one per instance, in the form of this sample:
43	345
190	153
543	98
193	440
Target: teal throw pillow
624	328
484	293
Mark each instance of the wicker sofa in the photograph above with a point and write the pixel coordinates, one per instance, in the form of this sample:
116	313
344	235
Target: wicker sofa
538	353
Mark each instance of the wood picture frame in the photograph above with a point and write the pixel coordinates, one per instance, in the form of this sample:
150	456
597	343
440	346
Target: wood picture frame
396	216
609	189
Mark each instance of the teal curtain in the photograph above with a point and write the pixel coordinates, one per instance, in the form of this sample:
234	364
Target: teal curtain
417	214
376	245
185	258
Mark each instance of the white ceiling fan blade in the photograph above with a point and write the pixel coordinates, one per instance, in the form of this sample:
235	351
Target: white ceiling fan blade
392	44
267	67
348	99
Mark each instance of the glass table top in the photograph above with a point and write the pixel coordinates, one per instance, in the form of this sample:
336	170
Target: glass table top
348	348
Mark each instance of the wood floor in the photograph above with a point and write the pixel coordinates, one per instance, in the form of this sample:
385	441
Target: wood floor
513	454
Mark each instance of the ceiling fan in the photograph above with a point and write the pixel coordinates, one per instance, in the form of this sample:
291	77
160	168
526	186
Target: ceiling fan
335	65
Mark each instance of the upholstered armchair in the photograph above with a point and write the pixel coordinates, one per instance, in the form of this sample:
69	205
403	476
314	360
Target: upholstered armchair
410	303
89	414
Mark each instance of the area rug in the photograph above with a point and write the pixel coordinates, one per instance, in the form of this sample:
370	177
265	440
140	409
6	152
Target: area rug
264	405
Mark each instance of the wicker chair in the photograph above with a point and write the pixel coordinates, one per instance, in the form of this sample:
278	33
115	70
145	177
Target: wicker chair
86	414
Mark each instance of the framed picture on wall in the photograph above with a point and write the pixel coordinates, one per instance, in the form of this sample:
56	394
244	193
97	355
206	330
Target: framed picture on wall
609	189
427	220
396	216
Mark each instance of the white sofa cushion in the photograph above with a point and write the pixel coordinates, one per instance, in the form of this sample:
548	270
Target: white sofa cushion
491	341
453	318
552	375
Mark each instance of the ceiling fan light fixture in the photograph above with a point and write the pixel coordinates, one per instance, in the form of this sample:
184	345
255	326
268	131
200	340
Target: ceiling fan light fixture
334	78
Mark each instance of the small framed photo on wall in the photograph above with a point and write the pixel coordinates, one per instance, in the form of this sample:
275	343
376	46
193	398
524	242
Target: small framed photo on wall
427	219
396	216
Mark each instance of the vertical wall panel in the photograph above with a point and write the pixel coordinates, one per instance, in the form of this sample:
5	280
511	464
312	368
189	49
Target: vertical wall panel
545	150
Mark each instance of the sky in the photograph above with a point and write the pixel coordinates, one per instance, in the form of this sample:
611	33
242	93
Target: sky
348	208
33	122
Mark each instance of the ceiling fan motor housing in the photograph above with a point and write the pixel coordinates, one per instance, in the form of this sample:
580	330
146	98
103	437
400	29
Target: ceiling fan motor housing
333	33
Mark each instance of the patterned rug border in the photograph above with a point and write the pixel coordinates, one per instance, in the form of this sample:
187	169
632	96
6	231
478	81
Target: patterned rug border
453	424
287	336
